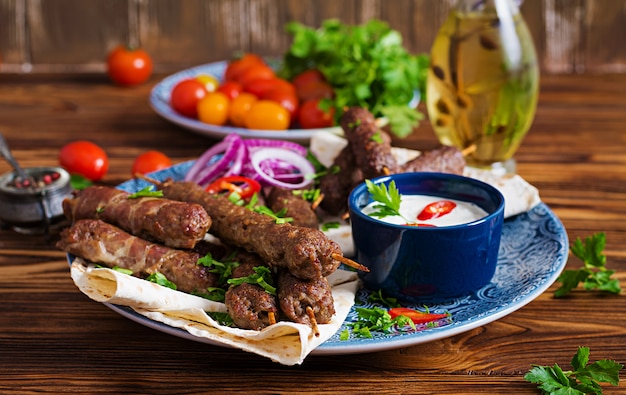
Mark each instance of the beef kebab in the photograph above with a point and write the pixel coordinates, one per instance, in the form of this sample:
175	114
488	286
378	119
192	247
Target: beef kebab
173	223
103	243
368	155
295	206
307	253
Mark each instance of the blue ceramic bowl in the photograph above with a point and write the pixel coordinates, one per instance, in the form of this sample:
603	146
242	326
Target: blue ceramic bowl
422	264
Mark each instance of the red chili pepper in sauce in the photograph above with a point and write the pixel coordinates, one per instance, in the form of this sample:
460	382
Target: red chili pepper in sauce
436	209
416	316
245	187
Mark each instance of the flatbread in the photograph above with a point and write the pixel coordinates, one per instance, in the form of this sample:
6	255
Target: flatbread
287	343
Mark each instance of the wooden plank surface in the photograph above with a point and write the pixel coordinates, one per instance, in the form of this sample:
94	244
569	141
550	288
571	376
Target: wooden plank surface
54	339
571	36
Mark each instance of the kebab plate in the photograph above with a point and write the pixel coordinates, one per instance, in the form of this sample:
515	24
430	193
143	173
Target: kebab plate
185	232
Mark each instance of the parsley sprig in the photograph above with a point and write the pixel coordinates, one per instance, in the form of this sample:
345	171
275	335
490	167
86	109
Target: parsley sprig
584	379
262	277
594	274
148	191
387	199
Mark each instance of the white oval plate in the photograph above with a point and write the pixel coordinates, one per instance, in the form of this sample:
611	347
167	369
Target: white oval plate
533	252
160	102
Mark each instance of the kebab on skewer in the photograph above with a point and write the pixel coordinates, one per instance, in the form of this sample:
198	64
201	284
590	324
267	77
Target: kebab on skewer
294	205
173	223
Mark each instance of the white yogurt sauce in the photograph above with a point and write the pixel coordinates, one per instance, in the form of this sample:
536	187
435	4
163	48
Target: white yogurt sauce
412	205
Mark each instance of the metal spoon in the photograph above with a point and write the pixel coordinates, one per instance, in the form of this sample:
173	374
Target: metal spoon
6	153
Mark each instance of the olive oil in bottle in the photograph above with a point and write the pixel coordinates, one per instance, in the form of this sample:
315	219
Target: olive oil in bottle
483	82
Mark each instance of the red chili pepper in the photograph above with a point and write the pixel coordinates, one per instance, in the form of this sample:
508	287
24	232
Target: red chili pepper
416	316
436	210
245	187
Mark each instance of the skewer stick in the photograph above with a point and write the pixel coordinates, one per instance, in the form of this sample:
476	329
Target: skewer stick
386	171
345	216
350	262
311	314
147	179
272	317
317	201
468	150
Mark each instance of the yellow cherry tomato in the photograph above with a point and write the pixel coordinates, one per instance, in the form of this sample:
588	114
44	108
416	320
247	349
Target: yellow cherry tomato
213	108
267	115
239	108
210	83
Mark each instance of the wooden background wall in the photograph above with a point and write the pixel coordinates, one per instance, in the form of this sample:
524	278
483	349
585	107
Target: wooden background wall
40	36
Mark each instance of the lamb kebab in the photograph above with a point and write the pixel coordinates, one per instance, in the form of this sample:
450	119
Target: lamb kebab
307	253
103	243
173	223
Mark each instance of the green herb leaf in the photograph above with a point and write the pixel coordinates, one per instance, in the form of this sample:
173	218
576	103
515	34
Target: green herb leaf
330	225
366	65
146	192
223	269
593	275
160	279
212	293
388	199
262	277
378	297
79	182
584	379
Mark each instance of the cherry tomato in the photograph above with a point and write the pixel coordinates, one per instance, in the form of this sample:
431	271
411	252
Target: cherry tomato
417	317
213	108
238	66
256	72
436	209
185	97
311	116
128	67
315	90
84	158
239	107
244	187
263	86
231	89
267	115
287	99
307	76
210	83
150	161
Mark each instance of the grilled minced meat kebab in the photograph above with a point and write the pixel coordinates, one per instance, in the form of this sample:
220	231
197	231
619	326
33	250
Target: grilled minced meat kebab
173	223
294	205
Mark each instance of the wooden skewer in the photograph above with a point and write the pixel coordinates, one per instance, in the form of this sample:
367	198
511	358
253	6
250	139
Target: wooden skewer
350	262
148	179
272	317
386	171
317	201
311	314
345	216
468	150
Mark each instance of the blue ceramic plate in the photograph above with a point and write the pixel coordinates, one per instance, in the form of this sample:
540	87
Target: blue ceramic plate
160	97
533	252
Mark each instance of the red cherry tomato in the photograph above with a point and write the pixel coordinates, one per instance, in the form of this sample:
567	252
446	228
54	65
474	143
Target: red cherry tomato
84	158
236	67
185	97
256	72
263	86
128	67
307	77
436	210
417	317
286	99
311	116
315	90
244	187
231	89
150	161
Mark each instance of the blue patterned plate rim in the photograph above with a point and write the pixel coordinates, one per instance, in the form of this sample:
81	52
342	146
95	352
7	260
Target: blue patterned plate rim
533	252
160	96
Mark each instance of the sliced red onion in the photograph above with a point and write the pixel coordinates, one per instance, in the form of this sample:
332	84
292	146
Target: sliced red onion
204	170
303	166
267	143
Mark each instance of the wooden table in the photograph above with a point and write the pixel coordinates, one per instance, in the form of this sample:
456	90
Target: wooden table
54	339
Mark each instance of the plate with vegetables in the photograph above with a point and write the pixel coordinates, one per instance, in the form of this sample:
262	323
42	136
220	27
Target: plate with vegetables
304	91
533	252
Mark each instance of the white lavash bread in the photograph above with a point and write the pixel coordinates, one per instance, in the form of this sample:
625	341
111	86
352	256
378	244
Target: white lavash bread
287	343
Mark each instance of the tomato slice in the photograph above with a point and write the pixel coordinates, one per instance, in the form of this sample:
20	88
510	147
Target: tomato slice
436	209
416	316
245	187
